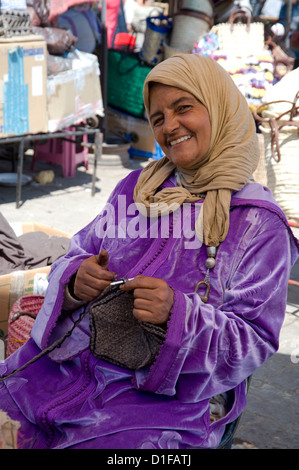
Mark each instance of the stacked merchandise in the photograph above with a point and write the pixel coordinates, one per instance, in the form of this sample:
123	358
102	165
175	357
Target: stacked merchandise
253	74
14	19
73	82
59	41
22	72
240	49
48	85
74	95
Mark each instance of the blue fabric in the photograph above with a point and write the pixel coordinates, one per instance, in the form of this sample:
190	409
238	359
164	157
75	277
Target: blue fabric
84	25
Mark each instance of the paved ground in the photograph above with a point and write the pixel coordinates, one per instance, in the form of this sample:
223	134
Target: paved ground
271	420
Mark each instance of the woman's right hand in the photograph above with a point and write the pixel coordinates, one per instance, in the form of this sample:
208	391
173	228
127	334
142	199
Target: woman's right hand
92	277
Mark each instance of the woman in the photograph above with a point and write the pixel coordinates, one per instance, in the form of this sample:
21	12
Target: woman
208	256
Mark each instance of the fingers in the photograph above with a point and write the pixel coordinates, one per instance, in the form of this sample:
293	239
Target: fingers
103	259
153	299
93	276
145	311
141	282
153	311
88	287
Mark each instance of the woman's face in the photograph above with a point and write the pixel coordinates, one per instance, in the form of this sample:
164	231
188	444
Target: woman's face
181	124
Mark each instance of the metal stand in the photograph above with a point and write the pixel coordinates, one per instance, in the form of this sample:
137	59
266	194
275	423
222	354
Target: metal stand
32	137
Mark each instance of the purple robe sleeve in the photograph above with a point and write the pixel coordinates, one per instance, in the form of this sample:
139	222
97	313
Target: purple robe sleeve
209	349
87	242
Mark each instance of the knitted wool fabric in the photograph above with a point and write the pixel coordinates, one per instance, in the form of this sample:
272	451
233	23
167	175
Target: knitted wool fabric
116	335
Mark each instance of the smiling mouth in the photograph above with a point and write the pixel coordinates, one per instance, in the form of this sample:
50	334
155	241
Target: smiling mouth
181	139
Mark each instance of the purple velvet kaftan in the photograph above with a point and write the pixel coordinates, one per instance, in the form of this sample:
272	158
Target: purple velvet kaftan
74	400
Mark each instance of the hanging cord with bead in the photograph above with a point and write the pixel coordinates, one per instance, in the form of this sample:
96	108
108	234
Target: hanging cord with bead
210	263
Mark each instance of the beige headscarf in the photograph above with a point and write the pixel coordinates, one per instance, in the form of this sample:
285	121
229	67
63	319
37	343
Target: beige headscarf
232	156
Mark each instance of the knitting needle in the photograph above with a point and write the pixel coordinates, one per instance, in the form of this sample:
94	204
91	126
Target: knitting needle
120	282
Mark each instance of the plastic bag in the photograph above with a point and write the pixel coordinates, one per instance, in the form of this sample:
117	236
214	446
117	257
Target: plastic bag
42	10
58	40
57	64
34	18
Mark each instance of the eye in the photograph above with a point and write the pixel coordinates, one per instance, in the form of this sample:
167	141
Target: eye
157	121
183	108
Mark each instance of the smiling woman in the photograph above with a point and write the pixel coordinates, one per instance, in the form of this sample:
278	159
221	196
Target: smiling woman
225	151
213	309
181	125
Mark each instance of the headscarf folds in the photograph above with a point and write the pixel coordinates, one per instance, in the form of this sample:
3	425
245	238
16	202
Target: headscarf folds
232	156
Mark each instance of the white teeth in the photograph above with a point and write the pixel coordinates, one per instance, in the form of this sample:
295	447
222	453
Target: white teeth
181	139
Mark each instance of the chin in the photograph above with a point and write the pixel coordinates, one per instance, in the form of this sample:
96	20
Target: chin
183	163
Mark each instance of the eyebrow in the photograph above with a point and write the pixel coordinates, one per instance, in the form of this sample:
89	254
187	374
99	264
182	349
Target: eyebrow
173	105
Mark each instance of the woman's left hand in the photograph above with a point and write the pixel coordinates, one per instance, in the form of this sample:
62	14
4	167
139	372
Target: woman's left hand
153	299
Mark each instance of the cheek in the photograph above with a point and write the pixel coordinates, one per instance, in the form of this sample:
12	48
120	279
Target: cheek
158	137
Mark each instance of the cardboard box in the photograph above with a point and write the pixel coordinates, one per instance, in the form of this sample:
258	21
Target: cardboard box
29	282
138	131
74	95
25	227
23	85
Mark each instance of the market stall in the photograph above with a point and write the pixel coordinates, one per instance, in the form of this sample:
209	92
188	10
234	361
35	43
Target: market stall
77	88
51	91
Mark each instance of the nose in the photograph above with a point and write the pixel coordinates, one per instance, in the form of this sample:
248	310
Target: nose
170	123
